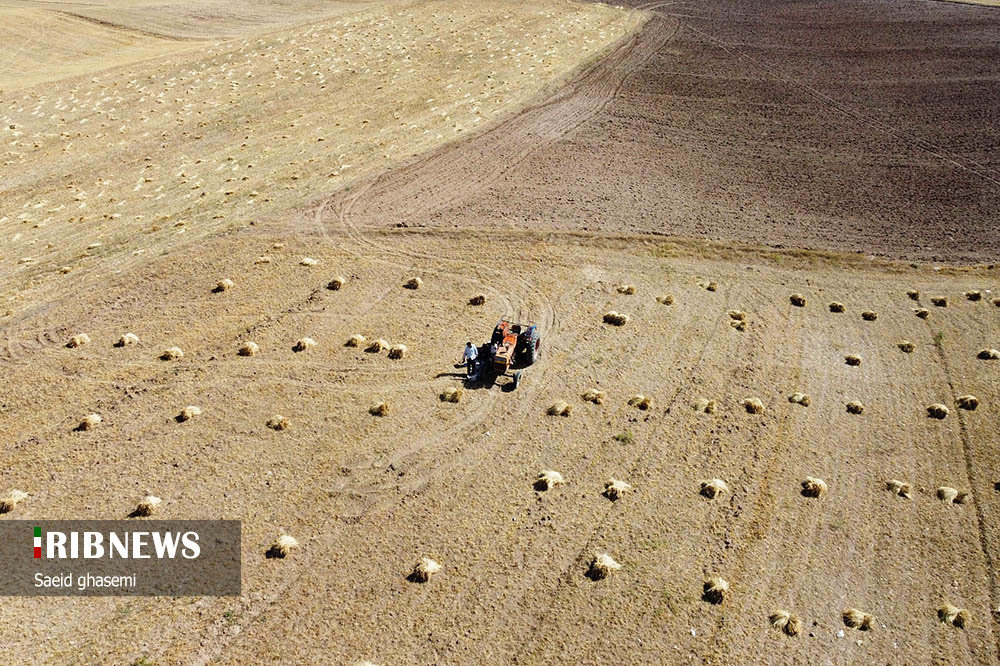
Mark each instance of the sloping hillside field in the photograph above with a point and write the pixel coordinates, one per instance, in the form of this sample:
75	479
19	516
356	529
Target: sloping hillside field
241	254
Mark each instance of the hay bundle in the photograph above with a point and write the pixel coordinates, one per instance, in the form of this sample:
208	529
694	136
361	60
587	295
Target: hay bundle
951	496
548	479
397	351
855	407
614	489
423	570
922	313
223	285
601	566
376	346
989	355
451	394
712	488
665	299
78	340
337	283
303	344
172	354
856	619
939	302
897	487
913	294
709	286
852	359
355	340
248	348
737	315
89	422
969	402
146	507
868	315
739	325
639	401
379	409
996	302
974	295
127	339
615	318
837	307
937	411
905	346
714	590
799	399
594	396
478	299
277	422
188	413
413	283
9	501
281	547
953	616
704	405
789	624
559	408
798	300
308	261
753	405
813	487
263	259
627	289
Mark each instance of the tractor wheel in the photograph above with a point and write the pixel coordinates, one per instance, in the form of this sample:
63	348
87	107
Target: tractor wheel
517	380
534	351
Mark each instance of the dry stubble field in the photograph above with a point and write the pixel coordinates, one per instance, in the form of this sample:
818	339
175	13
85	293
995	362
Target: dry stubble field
367	497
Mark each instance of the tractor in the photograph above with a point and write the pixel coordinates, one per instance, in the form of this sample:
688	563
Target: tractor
517	345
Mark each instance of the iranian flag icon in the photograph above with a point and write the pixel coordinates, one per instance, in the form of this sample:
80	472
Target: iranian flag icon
38	543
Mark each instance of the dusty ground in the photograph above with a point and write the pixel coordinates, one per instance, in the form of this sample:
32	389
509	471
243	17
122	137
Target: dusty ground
546	214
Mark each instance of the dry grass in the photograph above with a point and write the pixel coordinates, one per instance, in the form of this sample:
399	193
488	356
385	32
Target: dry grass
855	407
968	402
753	405
739	324
413	283
147	507
379	409
78	340
559	408
188	413
397	352
951	495
640	401
594	396
172	354
789	624
709	286
248	348
10	501
355	340
614	489
278	422
953	616
303	344
451	394
737	315
913	294
337	283
714	590
282	547
223	285
601	566
423	570
307	261
900	488
704	405
665	299
837	307
377	346
856	619
615	318
89	422
627	289
798	300
813	487
548	479
937	411
712	488
799	399
127	340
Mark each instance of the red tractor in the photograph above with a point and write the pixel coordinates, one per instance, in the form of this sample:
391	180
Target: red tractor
516	345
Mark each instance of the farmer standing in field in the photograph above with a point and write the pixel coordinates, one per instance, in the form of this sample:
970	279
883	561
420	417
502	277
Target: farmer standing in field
470	356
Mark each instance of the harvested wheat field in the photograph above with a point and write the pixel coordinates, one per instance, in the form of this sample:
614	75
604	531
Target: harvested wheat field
393	512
